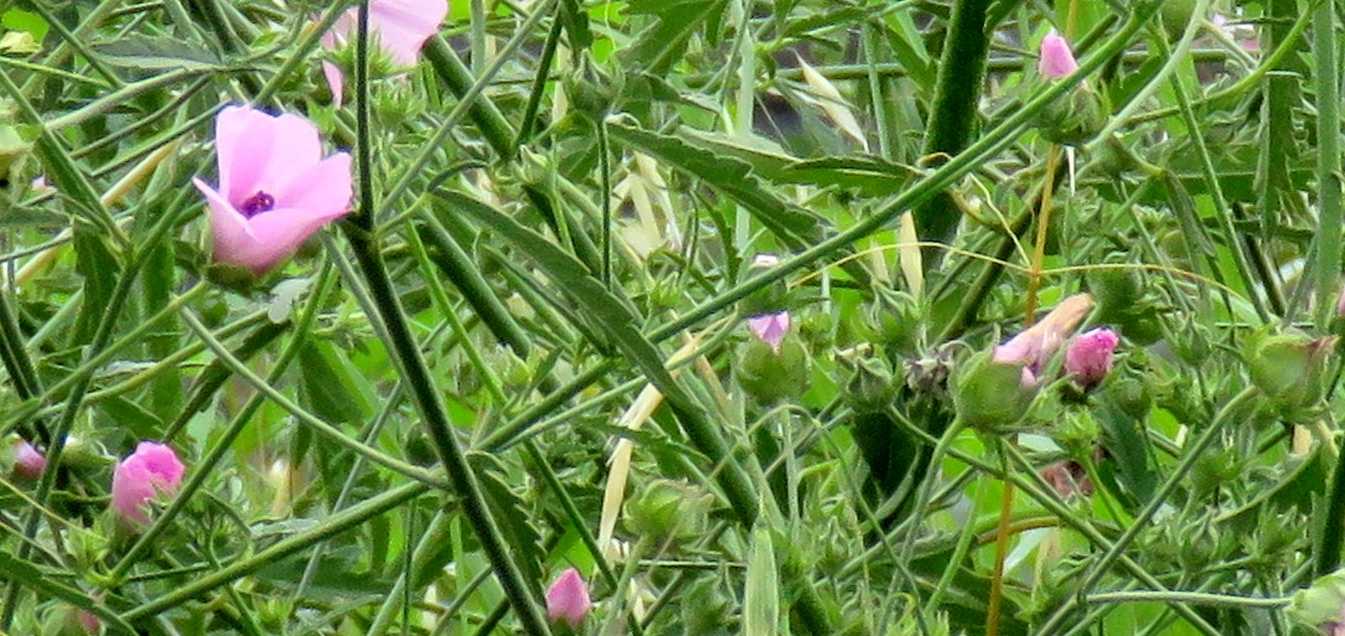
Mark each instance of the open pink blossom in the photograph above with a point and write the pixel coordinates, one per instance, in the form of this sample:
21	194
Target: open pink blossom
567	599
770	328
89	622
1089	356
153	469
1034	346
400	28
275	189
28	462
1056	59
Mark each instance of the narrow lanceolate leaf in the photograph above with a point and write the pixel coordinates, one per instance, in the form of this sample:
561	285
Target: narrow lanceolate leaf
761	598
153	53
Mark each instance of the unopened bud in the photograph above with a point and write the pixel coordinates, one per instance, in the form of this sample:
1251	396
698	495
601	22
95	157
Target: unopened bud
1289	368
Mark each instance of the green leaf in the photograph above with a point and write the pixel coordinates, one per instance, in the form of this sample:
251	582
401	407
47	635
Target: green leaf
29	575
125	413
511	513
761	605
26	21
99	269
731	176
663	43
149	53
336	389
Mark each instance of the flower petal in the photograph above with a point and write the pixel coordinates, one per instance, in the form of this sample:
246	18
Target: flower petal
404	25
336	82
280	232
324	188
229	229
259	152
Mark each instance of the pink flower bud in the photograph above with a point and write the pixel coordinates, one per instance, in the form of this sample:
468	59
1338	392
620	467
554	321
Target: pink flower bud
770	328
1340	304
567	599
1089	356
153	469
275	189
28	462
1035	345
1056	59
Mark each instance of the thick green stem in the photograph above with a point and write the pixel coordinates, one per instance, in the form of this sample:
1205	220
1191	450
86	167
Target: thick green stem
953	114
1329	211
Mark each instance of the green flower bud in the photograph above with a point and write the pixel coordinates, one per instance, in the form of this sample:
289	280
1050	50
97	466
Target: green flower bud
989	394
1321	604
14	153
1077	433
894	318
769	299
1289	368
1131	395
1176	15
1076	119
872	386
770	376
1116	291
668	509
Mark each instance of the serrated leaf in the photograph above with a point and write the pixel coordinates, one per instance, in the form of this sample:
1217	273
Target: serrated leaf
734	178
661	44
151	53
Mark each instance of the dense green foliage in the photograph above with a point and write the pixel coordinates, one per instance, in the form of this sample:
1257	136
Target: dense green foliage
790	317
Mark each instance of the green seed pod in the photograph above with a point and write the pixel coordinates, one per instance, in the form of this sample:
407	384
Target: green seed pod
1116	290
989	394
1131	395
1289	368
770	377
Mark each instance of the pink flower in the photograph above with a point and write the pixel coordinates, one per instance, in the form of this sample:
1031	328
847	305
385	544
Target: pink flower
1089	356
153	469
275	189
400	27
1056	60
28	462
89	622
567	599
1034	346
770	328
1068	478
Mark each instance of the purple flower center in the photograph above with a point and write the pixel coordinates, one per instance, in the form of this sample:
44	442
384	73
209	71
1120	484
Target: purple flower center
257	203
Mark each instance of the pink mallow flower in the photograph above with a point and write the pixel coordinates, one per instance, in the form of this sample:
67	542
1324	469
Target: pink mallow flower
1033	347
28	462
1088	358
770	328
275	189
1056	59
567	599
152	470
400	28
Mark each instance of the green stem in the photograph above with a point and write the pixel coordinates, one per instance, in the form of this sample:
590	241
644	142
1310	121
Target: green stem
1190	598
1329	211
953	113
1332	535
400	341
